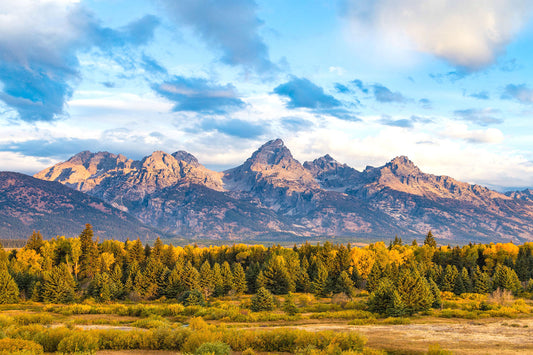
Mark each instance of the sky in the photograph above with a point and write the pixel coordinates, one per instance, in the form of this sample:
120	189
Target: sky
448	83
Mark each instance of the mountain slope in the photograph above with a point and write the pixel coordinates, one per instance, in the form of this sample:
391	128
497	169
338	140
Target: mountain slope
272	193
28	204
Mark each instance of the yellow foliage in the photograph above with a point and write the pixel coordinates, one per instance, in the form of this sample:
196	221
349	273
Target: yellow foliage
362	259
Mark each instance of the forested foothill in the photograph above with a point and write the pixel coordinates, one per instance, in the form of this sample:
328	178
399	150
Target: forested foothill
192	298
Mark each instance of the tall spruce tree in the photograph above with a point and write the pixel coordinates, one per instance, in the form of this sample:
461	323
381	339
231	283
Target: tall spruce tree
58	285
430	240
239	279
89	259
9	291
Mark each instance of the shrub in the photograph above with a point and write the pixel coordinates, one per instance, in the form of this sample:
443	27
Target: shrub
263	301
216	348
435	349
78	342
50	338
192	298
19	346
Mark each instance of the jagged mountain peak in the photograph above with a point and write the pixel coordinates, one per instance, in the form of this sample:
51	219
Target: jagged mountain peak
273	152
273	164
187	157
402	165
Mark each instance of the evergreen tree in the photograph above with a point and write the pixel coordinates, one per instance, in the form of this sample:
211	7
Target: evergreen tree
58	285
175	285
157	250
263	300
319	285
89	253
191	277
135	252
277	277
345	284
35	242
386	300
289	306
374	277
206	280
9	291
449	278
239	279
252	272
437	299
227	278
430	240
506	278
414	291
218	281
481	281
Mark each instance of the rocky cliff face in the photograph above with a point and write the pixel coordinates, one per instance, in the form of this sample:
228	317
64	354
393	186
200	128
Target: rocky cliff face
272	193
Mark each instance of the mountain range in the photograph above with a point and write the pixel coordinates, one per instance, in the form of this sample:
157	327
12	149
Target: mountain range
273	196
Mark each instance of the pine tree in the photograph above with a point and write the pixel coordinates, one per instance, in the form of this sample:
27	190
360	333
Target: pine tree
449	277
263	301
252	272
35	242
374	277
206	280
157	250
289	306
430	240
277	277
136	252
506	278
345	284
89	253
227	278
239	279
386	300
437	299
218	281
191	277
414	291
175	285
58	285
9	291
319	285
482	282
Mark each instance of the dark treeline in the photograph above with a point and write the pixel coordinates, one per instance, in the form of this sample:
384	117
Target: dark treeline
401	279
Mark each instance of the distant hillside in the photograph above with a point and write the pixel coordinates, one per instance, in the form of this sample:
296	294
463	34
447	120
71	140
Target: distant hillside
28	204
273	194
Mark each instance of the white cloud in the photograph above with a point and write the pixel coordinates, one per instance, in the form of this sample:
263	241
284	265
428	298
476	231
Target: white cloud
461	131
468	34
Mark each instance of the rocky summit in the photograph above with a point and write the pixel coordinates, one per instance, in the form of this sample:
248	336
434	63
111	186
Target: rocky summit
273	195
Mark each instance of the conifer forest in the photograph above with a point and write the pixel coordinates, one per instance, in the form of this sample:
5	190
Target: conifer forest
238	298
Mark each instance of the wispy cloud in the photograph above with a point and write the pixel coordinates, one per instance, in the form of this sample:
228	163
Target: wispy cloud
199	95
482	95
230	26
385	95
522	93
482	117
302	93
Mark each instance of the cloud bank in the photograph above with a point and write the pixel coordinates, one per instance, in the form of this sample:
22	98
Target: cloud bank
467	34
39	44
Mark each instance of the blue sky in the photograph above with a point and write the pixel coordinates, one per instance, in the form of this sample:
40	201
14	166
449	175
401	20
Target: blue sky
448	83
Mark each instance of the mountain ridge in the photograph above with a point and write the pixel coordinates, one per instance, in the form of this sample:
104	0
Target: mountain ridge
272	192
